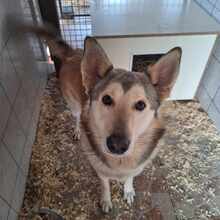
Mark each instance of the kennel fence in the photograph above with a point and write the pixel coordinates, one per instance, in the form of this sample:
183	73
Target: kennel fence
74	20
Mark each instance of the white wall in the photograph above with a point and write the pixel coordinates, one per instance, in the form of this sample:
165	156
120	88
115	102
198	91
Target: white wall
196	51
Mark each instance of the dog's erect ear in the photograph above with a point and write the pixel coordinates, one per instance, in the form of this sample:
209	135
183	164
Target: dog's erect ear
95	63
164	72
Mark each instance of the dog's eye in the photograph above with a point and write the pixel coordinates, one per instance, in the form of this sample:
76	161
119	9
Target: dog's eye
140	105
107	100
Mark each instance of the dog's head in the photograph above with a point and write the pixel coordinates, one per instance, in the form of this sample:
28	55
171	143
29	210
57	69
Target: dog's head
123	104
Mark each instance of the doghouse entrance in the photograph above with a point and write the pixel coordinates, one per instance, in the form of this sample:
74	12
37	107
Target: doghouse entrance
141	62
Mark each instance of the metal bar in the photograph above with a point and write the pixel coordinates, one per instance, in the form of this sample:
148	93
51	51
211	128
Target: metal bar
35	21
49	15
81	15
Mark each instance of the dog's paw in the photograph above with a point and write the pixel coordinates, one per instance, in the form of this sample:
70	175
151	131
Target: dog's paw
129	197
106	206
76	134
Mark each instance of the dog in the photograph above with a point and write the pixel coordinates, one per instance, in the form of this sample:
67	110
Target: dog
117	111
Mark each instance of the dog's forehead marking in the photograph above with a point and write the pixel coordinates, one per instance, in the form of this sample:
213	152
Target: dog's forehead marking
127	80
136	92
115	89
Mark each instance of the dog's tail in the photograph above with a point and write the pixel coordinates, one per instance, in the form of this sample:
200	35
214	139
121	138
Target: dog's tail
58	47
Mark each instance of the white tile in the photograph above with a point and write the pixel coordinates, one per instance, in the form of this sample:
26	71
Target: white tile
4	110
212	1
4	34
203	97
8	172
14	137
26	155
19	190
12	215
22	110
214	115
216	14
217	4
207	6
4	209
216	49
8	76
217	99
15	45
211	77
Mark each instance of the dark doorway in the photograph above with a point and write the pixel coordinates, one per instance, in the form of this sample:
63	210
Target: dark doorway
141	62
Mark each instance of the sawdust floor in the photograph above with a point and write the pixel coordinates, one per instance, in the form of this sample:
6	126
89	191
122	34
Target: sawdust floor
185	183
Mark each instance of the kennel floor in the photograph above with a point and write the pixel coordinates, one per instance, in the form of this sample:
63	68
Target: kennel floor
183	182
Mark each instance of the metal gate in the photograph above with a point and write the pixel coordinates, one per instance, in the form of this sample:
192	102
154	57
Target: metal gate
75	20
31	14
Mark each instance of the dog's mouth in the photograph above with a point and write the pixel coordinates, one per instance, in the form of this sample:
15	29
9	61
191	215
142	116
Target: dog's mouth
109	153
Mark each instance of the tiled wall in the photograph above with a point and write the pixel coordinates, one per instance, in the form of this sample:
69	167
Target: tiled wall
209	89
21	85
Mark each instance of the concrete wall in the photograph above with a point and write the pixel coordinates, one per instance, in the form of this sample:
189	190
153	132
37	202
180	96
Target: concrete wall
21	85
209	89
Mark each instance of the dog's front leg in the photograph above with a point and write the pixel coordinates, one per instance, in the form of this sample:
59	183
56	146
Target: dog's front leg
129	192
76	134
75	109
106	203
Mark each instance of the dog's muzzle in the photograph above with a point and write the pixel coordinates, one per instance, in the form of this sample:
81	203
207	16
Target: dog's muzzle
117	144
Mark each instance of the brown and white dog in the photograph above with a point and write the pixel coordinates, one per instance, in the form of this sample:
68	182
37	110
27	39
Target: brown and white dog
117	111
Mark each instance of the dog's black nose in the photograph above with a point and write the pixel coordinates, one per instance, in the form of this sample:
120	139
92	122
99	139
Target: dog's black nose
117	144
